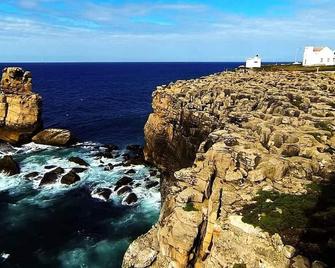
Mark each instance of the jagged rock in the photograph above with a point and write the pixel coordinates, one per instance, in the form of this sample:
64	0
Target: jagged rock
300	262
78	161
130	199
109	167
54	137
16	80
50	167
9	166
70	178
58	170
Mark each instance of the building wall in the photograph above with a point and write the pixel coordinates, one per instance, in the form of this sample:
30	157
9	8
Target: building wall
255	62
324	57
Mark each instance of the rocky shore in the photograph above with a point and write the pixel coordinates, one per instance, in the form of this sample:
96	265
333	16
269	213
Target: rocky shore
249	168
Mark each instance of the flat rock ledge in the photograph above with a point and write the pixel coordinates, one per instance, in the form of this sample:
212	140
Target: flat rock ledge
222	141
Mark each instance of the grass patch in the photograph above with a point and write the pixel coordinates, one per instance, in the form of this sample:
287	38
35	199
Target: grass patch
190	207
306	221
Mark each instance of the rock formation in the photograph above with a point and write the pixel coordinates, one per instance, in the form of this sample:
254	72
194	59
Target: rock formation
249	165
20	108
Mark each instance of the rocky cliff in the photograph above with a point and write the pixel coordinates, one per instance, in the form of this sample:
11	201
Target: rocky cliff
20	108
249	164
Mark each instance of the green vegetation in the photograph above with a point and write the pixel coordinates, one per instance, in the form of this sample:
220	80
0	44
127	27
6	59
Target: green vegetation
275	211
305	221
190	207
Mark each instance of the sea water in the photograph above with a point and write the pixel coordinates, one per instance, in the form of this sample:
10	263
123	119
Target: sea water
69	226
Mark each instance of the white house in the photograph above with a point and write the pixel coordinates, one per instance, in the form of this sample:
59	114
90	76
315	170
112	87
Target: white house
255	62
318	56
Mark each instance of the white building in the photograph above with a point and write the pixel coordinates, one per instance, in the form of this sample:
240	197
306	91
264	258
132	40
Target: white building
318	56
255	62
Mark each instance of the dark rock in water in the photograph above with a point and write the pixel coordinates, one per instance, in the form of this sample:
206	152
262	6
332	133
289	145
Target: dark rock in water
153	173
103	192
78	169
112	147
78	161
31	175
123	190
151	184
70	178
50	167
49	178
109	167
53	136
122	182
9	165
134	148
137	184
130	171
58	170
130	199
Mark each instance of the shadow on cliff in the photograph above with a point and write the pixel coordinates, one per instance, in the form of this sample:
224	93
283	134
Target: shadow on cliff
306	222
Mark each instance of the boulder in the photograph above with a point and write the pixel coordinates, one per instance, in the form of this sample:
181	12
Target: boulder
49	166
78	161
130	171
130	199
58	170
103	193
78	169
151	184
123	190
31	175
109	167
122	182
9	166
49	178
70	178
54	137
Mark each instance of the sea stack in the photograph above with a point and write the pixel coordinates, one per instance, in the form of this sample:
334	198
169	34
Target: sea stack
20	107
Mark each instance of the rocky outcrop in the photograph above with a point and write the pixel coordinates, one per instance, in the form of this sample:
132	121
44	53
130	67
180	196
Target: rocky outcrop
54	137
250	163
20	108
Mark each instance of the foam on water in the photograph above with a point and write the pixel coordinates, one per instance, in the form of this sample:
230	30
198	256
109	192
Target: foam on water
101	229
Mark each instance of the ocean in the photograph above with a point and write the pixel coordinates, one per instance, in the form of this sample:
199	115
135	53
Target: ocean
70	226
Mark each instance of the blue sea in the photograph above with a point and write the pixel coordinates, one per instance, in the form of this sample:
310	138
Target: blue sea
72	226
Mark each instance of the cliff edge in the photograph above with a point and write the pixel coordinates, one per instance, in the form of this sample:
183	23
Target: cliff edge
20	108
249	169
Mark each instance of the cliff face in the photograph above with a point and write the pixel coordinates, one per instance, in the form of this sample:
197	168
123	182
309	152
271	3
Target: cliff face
253	155
20	108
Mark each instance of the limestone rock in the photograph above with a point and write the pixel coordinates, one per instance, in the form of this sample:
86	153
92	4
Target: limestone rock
54	137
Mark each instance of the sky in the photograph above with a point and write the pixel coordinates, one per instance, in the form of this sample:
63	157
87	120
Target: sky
171	30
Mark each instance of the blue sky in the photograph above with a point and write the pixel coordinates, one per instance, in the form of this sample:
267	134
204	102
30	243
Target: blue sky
139	30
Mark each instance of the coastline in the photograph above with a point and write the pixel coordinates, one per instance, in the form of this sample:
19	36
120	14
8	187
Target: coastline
269	132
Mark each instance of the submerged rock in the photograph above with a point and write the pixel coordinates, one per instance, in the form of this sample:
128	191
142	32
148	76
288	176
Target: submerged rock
54	137
130	171
130	199
78	161
9	166
70	178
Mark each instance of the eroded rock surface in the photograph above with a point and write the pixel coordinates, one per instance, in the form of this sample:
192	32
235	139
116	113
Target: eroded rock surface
223	140
20	108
